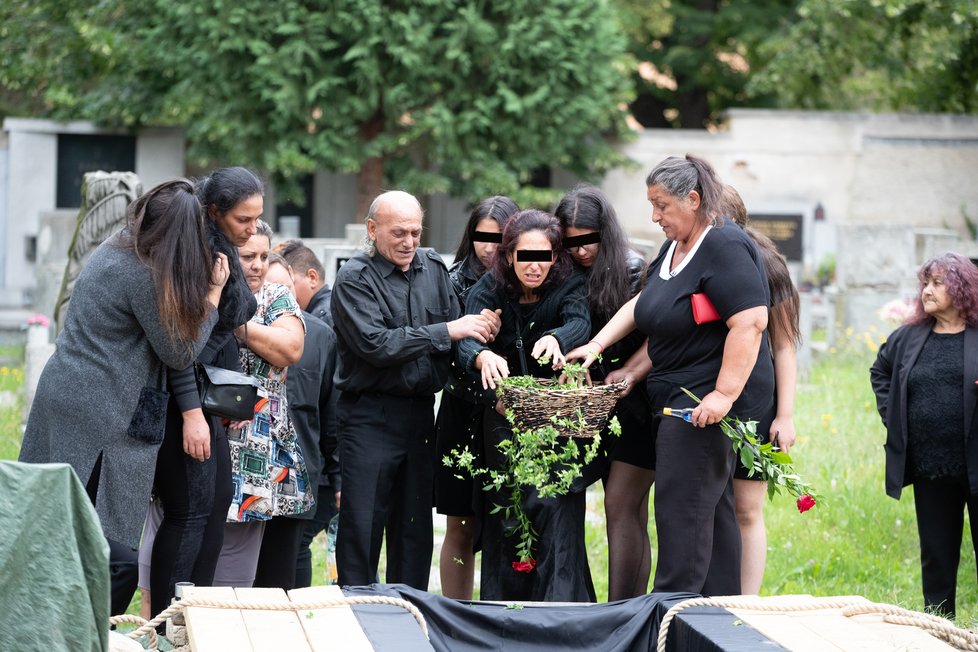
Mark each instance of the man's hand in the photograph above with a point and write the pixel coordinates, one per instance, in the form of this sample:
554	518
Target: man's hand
478	327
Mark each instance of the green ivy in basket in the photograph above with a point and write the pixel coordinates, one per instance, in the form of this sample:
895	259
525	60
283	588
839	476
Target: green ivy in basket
537	457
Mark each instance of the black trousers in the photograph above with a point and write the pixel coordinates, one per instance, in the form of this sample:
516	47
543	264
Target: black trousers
940	508
325	511
698	538
123	560
279	551
387	448
195	497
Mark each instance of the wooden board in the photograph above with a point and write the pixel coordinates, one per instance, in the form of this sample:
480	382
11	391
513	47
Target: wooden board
827	630
335	628
215	630
271	631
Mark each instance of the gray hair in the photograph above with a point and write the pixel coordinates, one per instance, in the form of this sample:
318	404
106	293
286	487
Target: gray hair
262	228
680	176
368	246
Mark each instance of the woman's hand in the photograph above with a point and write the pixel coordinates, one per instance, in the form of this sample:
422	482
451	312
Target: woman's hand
196	435
492	366
549	348
783	433
220	273
588	353
712	409
619	375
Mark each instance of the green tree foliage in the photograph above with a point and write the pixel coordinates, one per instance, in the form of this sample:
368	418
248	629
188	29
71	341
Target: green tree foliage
696	57
893	55
464	96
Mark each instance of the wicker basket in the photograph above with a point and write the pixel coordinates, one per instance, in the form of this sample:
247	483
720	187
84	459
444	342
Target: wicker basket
534	406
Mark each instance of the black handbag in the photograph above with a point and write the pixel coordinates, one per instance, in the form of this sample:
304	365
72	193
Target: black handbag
227	394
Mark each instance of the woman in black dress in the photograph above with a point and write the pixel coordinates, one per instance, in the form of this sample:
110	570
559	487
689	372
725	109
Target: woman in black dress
459	420
925	379
597	243
724	360
544	312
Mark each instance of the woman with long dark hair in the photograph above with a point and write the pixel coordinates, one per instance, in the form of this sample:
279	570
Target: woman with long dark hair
597	243
145	301
459	419
544	312
193	473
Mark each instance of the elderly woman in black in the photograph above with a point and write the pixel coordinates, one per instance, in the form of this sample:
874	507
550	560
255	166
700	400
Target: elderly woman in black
544	312
722	358
924	379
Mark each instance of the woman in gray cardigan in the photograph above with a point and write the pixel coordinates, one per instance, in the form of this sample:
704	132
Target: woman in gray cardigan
145	301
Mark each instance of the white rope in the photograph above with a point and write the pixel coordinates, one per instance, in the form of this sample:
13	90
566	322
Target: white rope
960	638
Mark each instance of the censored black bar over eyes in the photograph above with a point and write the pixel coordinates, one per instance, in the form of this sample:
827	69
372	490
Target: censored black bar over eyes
486	236
534	255
580	240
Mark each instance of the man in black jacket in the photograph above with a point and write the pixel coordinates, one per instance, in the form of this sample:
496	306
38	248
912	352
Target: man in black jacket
396	316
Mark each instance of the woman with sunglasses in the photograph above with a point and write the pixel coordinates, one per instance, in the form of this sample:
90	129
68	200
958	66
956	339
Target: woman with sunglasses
544	312
459	420
597	243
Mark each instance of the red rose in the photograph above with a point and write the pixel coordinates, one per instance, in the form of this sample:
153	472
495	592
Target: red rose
524	566
805	503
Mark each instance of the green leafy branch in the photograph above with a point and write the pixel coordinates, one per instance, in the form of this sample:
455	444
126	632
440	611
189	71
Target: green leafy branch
774	465
539	457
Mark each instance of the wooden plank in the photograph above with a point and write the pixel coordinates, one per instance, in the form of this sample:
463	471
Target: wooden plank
333	628
829	630
784	630
271	631
215	630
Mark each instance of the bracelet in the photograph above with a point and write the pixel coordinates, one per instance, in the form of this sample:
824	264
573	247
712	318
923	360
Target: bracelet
600	346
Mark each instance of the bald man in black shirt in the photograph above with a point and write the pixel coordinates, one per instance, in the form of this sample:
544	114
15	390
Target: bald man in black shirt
395	317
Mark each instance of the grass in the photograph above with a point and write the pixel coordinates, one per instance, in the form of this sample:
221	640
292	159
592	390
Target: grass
857	541
11	401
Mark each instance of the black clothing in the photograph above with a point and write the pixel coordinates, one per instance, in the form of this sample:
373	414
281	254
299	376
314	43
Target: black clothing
391	326
279	550
935	394
889	375
393	355
562	312
319	305
910	357
325	511
459	421
387	448
940	508
309	385
615	356
725	267
195	495
562	572
696	527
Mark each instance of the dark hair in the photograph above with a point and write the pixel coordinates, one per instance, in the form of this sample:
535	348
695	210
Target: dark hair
960	281
275	258
498	208
300	257
225	188
503	276
608	280
680	176
732	205
785	302
167	233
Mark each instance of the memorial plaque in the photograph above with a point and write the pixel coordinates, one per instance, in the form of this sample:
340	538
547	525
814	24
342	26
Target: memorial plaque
81	153
785	230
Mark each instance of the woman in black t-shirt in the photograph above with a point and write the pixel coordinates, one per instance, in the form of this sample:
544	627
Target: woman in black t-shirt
724	360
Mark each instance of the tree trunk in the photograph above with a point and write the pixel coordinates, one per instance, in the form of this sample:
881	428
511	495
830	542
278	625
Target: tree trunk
370	178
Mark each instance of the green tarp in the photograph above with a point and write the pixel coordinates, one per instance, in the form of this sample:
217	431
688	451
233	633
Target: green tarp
54	562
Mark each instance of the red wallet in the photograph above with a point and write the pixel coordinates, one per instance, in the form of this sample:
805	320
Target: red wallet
703	309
